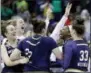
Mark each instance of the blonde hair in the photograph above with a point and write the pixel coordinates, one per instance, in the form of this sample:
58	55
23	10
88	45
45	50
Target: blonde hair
4	24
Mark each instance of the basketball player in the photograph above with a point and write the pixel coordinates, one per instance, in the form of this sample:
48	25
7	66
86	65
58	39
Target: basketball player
7	47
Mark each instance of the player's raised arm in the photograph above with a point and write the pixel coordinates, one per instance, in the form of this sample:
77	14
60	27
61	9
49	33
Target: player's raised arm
47	20
56	33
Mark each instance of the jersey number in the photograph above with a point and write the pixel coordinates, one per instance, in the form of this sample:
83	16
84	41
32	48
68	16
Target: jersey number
84	55
28	53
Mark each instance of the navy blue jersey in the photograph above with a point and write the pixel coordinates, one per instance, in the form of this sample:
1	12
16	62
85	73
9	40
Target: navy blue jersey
12	69
38	50
76	55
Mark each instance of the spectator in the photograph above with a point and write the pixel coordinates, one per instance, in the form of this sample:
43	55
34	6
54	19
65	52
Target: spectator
38	6
47	7
6	12
87	22
20	5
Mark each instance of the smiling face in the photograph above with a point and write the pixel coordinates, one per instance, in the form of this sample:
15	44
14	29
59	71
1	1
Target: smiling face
10	32
65	32
20	25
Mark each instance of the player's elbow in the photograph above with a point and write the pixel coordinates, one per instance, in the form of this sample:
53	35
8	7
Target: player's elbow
59	57
8	64
58	54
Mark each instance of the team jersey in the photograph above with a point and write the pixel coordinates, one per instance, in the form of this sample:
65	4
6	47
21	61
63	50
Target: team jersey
76	55
38	50
11	69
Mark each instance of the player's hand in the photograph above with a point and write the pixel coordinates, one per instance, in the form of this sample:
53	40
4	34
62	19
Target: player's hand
24	60
68	8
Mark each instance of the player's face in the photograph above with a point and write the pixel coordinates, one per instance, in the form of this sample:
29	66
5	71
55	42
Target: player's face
20	26
11	33
64	32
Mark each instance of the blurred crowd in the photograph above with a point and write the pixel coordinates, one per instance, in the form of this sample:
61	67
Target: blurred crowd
29	9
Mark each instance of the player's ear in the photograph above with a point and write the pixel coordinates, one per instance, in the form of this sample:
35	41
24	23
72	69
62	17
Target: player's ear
73	32
6	34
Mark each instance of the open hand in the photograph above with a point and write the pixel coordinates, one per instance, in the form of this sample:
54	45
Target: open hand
68	8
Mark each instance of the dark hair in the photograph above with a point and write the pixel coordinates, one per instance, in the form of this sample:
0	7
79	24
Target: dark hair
51	27
78	25
71	16
38	25
3	28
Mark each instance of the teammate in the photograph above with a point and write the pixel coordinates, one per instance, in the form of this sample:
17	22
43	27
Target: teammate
8	45
20	26
85	15
76	50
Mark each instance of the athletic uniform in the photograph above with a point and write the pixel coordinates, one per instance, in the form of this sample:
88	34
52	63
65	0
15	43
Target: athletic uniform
11	69
38	49
76	54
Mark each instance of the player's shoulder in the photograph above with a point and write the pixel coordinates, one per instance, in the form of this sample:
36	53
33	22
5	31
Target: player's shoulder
70	42
24	40
49	39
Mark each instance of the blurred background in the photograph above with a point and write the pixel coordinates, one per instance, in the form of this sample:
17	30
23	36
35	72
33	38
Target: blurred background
24	8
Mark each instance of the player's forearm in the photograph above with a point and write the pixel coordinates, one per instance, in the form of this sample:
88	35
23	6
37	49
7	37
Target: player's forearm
67	59
16	54
13	63
47	24
15	57
65	62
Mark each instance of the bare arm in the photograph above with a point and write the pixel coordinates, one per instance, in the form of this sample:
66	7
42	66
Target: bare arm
16	54
56	33
53	57
47	20
7	59
57	53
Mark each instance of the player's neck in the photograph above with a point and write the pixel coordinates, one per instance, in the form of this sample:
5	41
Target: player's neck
67	38
38	34
77	38
11	41
19	34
